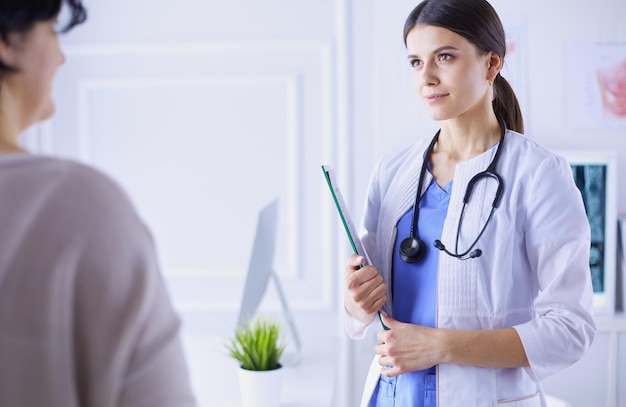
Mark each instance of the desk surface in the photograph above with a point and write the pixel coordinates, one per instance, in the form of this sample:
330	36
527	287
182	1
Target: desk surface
309	383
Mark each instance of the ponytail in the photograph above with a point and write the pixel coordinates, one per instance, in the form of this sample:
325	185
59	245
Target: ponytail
506	106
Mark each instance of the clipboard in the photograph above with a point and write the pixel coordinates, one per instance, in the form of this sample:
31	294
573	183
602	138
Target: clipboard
342	209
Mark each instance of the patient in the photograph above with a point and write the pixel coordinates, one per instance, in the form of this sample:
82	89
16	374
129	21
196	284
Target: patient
85	317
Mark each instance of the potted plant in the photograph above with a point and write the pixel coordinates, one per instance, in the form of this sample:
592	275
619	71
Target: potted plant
257	346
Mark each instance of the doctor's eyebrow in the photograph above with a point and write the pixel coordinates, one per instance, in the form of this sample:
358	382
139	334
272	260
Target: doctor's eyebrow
435	51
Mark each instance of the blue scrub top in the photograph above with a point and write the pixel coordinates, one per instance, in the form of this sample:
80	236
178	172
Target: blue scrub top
414	291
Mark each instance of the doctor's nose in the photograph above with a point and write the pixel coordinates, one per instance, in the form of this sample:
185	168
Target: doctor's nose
427	76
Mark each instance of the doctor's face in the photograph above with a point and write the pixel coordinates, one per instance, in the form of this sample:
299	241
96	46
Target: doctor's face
450	74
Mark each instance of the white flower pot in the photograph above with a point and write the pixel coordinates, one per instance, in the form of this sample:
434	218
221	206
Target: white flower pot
260	388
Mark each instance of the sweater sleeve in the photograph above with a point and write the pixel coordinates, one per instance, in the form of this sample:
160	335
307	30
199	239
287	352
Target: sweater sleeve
557	242
126	331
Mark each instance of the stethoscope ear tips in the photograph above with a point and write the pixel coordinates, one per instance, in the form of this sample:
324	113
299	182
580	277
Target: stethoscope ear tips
437	243
412	249
472	255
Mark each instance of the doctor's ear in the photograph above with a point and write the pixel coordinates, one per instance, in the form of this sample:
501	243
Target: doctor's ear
494	66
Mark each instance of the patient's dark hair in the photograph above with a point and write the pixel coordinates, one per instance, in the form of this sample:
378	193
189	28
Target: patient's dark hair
21	15
479	23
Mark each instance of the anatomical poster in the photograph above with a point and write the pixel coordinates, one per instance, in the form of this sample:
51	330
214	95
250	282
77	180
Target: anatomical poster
596	85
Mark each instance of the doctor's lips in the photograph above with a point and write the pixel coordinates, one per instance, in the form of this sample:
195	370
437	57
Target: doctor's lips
435	97
612	81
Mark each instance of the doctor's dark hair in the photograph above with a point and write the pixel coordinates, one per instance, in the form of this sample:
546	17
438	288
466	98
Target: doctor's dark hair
19	16
478	22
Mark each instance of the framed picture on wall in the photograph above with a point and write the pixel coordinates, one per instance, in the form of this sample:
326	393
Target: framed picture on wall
595	174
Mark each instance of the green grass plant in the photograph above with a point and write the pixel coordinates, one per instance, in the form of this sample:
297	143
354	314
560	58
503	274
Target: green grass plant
257	345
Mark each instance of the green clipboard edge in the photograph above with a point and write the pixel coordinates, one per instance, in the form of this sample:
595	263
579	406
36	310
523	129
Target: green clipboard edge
347	223
339	204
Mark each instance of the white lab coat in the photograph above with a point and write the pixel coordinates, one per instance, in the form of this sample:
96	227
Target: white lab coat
533	274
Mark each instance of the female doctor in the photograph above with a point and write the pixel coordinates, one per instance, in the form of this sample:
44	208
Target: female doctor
478	236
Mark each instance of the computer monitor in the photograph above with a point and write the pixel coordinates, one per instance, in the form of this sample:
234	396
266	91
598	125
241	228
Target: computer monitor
261	270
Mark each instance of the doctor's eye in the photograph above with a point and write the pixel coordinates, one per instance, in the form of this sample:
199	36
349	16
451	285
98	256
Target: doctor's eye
444	57
415	62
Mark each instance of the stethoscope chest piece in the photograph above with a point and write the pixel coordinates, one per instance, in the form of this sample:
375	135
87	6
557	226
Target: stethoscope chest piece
412	249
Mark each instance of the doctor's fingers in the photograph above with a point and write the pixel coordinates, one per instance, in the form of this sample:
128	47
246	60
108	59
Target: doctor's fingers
400	364
354	262
390	366
363	275
396	361
389	369
372	304
369	296
364	281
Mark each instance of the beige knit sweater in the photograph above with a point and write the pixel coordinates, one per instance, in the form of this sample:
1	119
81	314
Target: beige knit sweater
85	318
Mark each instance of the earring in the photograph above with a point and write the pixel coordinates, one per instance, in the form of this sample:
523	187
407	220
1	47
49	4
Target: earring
490	82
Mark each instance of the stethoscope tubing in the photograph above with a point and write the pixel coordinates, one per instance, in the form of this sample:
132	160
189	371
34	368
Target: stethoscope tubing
413	242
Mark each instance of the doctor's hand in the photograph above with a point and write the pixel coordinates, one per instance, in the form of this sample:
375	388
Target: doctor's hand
407	347
364	291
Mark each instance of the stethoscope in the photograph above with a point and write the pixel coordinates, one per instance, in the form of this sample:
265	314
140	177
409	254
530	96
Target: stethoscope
413	249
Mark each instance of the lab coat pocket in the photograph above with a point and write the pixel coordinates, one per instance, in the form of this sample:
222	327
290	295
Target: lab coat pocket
531	400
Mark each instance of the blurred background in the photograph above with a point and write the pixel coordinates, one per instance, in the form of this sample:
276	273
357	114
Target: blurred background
206	110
